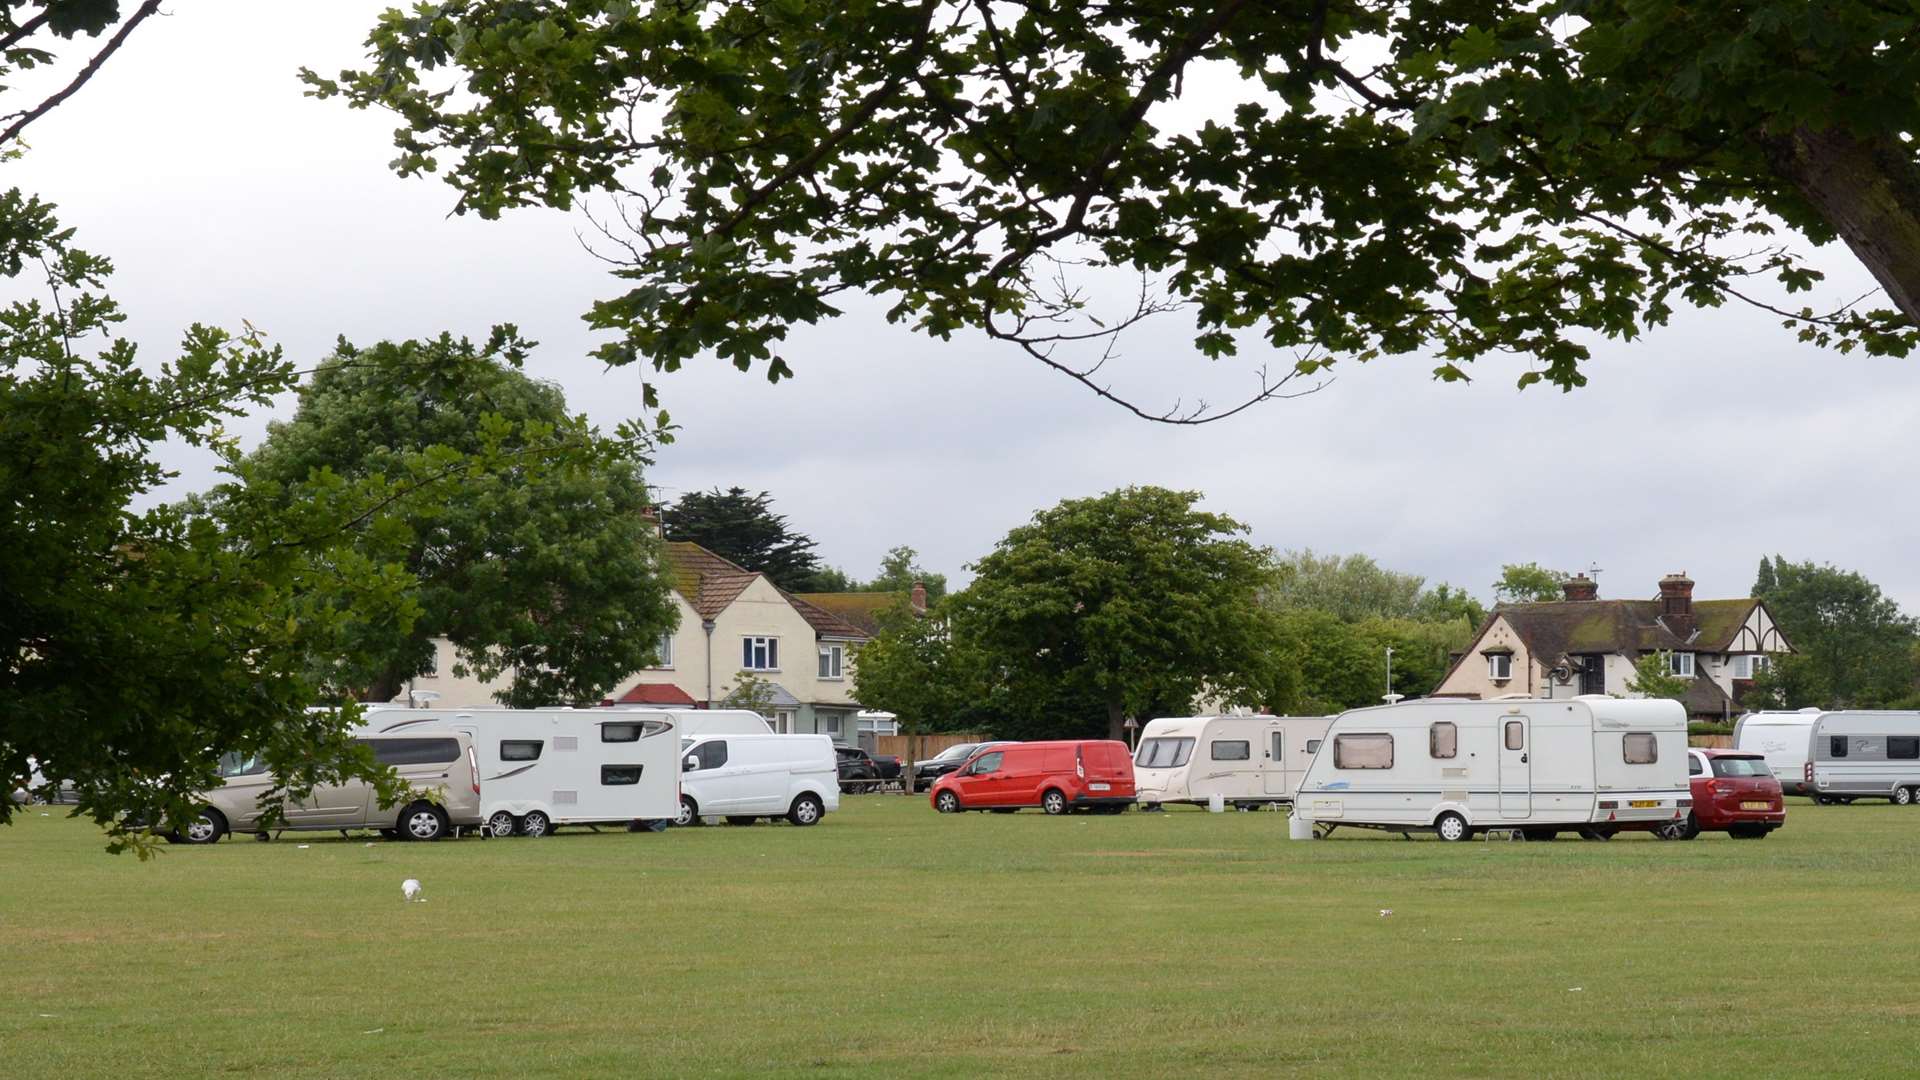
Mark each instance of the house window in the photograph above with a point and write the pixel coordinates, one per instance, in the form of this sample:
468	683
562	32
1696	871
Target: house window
1750	665
760	653
1639	748
1443	740
1363	751
1681	664
519	749
830	656
832	721
1232	750
663	652
880	725
1499	666
782	721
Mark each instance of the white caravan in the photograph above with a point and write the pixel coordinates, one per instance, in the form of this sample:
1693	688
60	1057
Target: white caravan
1246	760
1594	765
745	777
707	721
1838	756
542	768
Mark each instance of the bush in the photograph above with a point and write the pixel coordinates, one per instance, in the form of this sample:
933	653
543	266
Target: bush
1702	728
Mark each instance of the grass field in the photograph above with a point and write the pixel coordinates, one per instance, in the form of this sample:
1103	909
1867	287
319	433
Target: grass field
890	940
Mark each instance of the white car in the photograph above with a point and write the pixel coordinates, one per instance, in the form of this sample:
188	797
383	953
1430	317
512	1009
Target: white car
746	777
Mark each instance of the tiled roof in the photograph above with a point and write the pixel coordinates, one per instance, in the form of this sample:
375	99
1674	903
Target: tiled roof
824	621
653	693
1571	627
708	581
862	609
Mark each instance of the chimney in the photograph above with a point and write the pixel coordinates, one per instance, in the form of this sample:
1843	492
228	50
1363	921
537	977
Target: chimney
652	517
1676	596
919	597
1580	587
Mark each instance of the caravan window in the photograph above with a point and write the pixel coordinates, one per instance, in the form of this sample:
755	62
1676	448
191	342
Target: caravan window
520	749
1231	750
620	732
1639	748
1517	735
619	775
1363	751
1163	753
1837	745
1903	747
1313	746
1443	740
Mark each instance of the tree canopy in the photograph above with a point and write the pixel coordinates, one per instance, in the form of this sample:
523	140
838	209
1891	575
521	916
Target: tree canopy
1853	646
1449	178
1527	583
550	576
1133	600
744	529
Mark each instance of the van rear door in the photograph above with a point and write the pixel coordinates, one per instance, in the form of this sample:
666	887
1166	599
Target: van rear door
1108	763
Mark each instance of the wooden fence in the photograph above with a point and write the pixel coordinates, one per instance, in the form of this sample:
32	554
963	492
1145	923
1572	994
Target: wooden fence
1724	742
929	745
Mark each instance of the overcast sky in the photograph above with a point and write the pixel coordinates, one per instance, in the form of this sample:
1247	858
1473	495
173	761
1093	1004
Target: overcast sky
223	194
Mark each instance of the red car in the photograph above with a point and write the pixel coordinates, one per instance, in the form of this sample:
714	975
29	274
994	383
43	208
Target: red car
1733	792
1057	777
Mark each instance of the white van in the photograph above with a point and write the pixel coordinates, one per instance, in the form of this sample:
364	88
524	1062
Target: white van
1247	760
1592	764
746	777
691	722
1839	755
543	768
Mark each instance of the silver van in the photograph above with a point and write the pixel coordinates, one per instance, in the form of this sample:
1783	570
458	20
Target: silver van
439	765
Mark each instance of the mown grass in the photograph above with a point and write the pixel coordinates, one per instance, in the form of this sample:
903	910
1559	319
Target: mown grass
892	941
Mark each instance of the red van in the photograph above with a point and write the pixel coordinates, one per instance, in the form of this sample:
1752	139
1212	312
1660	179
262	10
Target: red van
1054	776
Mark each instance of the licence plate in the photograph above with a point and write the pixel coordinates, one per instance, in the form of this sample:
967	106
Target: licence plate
1756	806
1642	804
1100	787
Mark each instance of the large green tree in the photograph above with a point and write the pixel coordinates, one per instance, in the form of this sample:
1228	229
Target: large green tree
551	576
1853	646
1341	178
743	528
1528	583
1135	600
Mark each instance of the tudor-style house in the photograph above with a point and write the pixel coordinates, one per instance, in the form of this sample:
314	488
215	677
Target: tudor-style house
1585	645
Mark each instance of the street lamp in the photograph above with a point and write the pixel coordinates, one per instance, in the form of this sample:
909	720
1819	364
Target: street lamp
1390	697
1131	725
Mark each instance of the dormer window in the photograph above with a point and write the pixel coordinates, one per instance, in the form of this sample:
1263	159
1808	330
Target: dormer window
1500	666
1680	664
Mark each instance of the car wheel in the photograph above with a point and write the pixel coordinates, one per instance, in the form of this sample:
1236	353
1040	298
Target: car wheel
501	824
1903	796
1685	829
1597	833
424	822
947	802
689	814
536	824
807	810
741	819
1054	802
1450	827
207	827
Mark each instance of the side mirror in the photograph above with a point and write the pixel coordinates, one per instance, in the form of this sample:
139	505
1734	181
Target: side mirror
693	762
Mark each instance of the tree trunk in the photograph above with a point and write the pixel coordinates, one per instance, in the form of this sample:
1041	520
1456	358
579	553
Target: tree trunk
384	689
1116	721
1870	193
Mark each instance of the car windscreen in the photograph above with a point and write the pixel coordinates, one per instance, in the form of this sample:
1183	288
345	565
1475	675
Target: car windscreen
1163	752
1740	766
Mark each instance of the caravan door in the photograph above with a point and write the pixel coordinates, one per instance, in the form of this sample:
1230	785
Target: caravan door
1516	768
1276	770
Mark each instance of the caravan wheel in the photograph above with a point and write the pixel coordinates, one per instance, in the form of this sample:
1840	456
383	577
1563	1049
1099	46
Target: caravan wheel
535	824
501	824
1902	796
1451	826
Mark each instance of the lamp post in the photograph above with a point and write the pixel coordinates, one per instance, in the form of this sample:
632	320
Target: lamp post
1390	697
1132	726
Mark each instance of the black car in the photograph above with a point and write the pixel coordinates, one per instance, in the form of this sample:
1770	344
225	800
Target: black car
939	765
888	764
855	764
